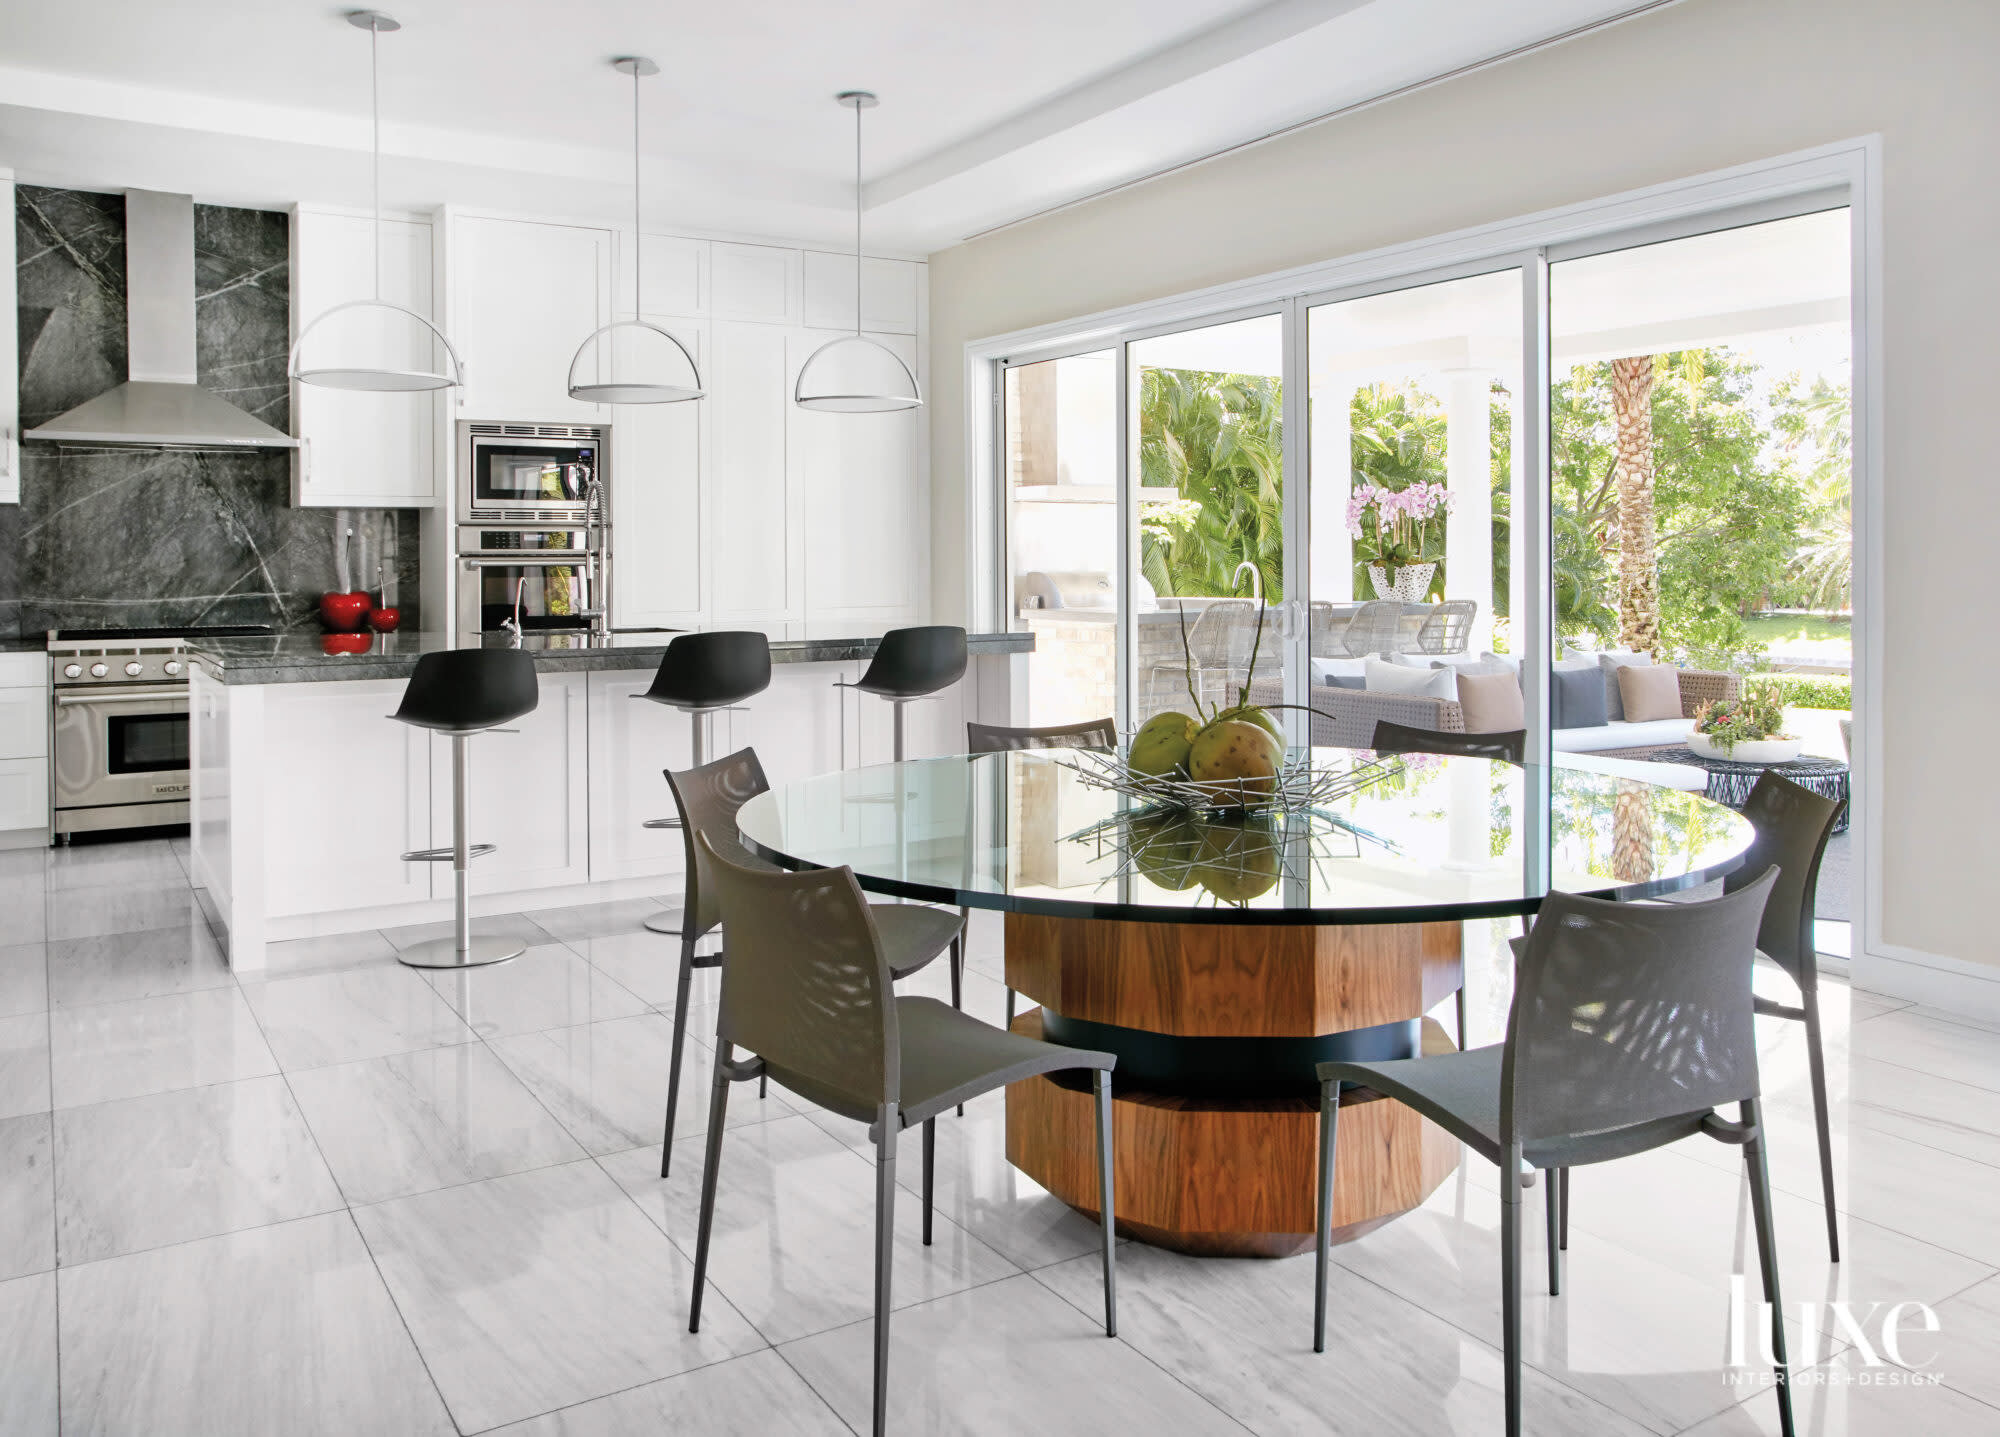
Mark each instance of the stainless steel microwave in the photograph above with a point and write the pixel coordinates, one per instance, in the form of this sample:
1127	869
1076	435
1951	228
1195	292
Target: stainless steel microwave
532	473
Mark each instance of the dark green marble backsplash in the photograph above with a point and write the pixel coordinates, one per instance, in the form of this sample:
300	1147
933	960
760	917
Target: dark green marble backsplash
158	538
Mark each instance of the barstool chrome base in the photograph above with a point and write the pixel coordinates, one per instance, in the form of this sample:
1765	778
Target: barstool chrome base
665	921
444	952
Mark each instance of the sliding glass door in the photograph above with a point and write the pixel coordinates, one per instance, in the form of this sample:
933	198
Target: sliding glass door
1206	471
1414	556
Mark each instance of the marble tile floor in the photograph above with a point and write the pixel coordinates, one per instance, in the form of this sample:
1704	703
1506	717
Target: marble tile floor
348	1197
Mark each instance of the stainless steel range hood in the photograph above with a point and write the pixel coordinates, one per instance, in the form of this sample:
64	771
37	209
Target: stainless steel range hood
160	406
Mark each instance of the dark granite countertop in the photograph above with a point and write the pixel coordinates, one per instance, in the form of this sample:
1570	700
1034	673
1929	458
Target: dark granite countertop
23	643
315	658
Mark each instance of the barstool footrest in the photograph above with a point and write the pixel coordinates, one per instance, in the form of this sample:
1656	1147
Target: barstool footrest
446	855
661	823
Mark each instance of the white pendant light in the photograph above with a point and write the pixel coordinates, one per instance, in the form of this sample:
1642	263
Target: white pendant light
659	389
854	374
382	378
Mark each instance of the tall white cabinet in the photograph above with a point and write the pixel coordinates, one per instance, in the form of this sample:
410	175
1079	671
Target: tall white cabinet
357	449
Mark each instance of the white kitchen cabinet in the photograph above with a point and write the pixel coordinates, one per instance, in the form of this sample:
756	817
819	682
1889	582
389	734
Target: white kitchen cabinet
341	795
755	542
657	551
529	794
863	478
632	745
675	279
754	282
524	296
888	292
10	375
24	742
362	449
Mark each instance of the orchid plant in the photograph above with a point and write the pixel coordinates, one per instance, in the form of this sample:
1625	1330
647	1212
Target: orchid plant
1397	527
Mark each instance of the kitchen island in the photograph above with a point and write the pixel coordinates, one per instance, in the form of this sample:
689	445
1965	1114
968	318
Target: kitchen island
305	793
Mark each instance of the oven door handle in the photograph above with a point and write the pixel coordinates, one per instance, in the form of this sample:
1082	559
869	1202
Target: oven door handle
65	701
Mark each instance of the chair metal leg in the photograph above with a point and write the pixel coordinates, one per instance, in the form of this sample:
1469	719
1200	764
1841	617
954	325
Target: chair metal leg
1816	1065
885	1251
1552	1201
958	982
1462	1043
718	1104
930	1171
1562	1233
1010	1007
1767	1254
1510	1282
1329	1129
683	987
1107	1204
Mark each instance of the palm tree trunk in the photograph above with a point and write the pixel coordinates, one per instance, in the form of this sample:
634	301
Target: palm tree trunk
1632	851
1638	564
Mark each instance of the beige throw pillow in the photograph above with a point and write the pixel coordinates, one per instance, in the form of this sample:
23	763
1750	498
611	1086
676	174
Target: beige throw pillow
1491	702
1649	692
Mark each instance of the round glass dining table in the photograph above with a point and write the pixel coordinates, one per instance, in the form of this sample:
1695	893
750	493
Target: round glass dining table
1222	957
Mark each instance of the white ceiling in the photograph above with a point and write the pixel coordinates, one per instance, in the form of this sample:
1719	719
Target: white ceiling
989	113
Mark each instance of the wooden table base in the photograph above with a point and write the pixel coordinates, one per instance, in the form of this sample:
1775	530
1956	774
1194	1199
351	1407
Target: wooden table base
1224	1176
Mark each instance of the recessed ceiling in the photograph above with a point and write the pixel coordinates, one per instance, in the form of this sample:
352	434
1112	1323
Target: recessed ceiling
989	113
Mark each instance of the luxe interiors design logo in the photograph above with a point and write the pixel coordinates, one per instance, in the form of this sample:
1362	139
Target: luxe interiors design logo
1894	1351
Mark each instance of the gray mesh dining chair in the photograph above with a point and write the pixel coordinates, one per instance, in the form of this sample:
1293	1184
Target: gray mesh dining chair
993	738
807	994
1631	1023
1793	825
708	798
1510	746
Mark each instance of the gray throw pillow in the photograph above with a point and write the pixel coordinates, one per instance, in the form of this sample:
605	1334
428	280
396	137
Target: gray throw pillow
1579	698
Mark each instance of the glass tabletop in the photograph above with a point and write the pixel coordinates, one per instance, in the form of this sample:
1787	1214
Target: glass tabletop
1433	838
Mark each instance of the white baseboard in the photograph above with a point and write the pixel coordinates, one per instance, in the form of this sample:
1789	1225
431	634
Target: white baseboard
1933	979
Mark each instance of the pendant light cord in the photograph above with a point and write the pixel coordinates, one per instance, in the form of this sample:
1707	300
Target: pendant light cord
857	220
638	246
375	119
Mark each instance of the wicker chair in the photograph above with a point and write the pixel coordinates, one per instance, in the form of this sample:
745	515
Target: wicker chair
1448	627
1219	643
1376	629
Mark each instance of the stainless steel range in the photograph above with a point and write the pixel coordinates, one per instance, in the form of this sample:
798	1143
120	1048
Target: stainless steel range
120	727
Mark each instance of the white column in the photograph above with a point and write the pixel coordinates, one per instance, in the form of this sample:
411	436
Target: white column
1468	531
1331	562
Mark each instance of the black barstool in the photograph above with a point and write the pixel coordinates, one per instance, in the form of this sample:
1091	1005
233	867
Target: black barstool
703	674
911	664
461	693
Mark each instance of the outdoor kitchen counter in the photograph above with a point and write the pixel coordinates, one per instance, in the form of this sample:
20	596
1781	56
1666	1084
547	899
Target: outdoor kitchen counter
313	658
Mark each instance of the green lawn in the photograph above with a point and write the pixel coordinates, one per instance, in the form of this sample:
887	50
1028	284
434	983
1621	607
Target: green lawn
1787	631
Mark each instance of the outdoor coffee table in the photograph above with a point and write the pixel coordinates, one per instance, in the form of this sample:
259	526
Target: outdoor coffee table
1729	782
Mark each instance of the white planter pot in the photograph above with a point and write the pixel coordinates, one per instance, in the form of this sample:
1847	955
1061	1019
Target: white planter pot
1765	750
1413	581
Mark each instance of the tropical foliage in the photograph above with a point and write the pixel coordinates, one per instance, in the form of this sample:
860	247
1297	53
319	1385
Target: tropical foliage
1749	498
1217	441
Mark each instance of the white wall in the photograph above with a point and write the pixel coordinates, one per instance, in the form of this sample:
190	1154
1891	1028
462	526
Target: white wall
1692	88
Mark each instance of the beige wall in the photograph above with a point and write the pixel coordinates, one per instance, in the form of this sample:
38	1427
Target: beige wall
1696	87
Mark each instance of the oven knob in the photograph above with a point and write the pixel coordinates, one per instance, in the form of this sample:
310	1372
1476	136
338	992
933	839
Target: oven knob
171	667
134	669
98	671
72	671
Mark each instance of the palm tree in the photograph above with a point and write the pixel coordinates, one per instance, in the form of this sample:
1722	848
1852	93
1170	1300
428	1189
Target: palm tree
1638	561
